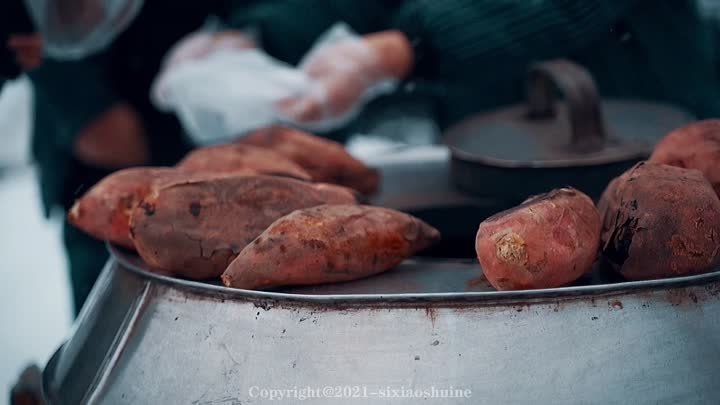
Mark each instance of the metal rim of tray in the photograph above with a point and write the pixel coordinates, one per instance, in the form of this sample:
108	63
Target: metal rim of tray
585	290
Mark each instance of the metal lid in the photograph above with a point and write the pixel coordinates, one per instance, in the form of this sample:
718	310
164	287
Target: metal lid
580	131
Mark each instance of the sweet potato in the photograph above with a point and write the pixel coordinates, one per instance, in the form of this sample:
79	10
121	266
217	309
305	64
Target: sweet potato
104	210
329	243
548	241
194	229
325	160
660	221
696	146
230	158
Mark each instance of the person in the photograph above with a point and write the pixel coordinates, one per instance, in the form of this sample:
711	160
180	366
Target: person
92	113
477	52
91	65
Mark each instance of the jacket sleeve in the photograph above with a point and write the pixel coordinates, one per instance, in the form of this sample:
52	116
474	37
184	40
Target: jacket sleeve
506	34
76	91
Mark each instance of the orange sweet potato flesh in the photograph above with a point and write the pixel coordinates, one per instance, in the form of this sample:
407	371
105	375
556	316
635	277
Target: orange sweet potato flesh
695	146
660	221
325	160
328	244
195	229
548	241
230	158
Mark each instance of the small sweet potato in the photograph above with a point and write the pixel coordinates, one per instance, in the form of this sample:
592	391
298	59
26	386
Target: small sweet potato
230	158
326	244
325	160
660	221
548	241
695	146
195	229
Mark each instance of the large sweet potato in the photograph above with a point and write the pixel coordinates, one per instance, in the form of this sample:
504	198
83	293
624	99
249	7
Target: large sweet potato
230	158
325	160
548	241
326	244
696	146
104	210
194	229
660	221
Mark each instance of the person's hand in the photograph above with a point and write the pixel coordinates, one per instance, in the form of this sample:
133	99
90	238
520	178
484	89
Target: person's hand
28	50
116	139
343	73
200	44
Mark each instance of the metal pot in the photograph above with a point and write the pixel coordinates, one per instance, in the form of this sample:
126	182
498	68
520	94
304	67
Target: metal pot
522	150
428	325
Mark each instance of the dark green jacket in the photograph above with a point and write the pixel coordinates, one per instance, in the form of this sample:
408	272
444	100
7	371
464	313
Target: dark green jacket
475	52
70	94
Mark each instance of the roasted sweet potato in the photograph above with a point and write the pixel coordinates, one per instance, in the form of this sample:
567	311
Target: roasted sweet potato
194	229
329	243
660	221
696	146
548	241
230	158
104	210
325	160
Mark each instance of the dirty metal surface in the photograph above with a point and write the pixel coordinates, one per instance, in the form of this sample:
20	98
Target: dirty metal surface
149	339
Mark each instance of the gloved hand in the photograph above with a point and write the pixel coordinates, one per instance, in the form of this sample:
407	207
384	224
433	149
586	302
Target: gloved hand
202	43
344	74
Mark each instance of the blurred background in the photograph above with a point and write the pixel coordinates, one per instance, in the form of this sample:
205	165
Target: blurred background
34	292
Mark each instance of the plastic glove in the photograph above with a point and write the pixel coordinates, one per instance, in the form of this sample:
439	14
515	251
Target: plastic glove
220	86
200	44
346	71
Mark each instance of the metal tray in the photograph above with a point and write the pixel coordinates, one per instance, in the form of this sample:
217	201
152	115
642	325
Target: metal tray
145	338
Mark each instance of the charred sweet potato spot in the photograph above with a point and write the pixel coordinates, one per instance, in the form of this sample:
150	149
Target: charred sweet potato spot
194	209
148	208
618	248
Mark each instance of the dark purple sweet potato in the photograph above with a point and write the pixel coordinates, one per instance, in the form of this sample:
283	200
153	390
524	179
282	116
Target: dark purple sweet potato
548	241
695	146
231	158
326	244
660	221
325	160
195	229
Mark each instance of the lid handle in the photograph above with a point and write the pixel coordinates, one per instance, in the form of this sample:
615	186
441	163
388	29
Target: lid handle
583	102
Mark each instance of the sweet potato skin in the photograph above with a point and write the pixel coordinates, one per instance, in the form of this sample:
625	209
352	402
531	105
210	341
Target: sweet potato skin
328	244
548	241
231	158
326	161
104	210
195	229
695	146
660	221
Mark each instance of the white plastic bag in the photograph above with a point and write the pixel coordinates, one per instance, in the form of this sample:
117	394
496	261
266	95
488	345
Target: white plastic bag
220	90
338	33
224	92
